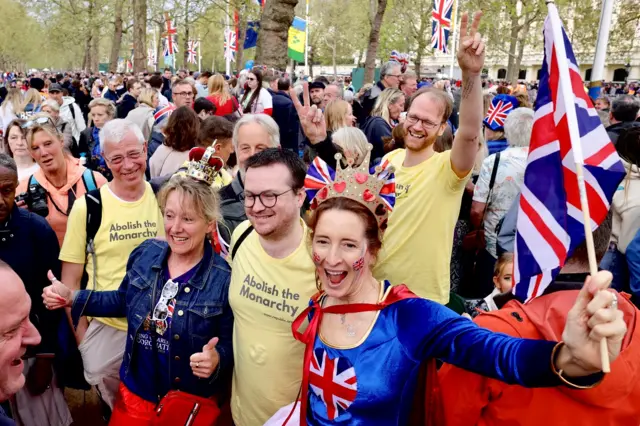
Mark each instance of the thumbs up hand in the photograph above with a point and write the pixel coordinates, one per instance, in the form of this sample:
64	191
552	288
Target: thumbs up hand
57	295
205	363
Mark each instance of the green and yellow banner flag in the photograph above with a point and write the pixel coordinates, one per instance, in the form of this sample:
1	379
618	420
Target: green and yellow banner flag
297	37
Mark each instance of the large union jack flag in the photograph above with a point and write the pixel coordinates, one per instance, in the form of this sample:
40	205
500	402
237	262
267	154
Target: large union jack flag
550	221
333	381
441	24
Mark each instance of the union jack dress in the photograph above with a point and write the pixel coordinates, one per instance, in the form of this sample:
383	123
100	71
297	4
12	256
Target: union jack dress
374	382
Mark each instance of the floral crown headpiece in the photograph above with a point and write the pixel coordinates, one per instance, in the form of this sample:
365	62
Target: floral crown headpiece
203	165
375	188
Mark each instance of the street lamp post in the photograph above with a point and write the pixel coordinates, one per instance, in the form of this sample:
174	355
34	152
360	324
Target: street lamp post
627	68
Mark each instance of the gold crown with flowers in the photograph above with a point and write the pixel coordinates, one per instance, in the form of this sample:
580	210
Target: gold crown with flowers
373	187
203	165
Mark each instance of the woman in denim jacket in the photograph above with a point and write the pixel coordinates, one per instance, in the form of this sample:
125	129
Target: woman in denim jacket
174	296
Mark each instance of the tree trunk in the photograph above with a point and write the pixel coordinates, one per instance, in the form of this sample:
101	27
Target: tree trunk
521	43
513	41
139	36
185	45
274	33
116	44
374	38
333	58
242	30
86	61
159	50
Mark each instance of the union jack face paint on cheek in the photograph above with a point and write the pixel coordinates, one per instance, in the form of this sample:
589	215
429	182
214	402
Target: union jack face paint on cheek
358	264
316	258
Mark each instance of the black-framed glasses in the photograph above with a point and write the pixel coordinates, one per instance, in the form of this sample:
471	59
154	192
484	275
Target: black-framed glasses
251	79
184	94
426	124
268	199
37	122
169	291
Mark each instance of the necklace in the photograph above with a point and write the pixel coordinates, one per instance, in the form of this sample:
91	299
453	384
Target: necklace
350	330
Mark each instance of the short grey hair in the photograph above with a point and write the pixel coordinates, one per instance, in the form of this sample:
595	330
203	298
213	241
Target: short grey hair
115	130
340	90
8	162
265	122
108	105
517	127
388	67
51	103
348	96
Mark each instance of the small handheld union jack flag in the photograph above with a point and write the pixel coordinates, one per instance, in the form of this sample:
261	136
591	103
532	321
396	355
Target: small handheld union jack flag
441	24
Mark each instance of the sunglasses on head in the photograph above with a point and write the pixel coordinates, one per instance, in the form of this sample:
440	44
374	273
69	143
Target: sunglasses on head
37	122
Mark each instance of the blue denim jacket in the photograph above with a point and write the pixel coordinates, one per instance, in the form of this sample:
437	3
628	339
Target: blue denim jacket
207	314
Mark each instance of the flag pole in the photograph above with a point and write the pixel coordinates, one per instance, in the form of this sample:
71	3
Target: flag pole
306	41
199	55
226	30
568	97
455	38
597	71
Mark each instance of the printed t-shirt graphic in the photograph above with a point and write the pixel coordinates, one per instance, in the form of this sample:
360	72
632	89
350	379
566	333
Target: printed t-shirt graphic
417	245
125	225
266	295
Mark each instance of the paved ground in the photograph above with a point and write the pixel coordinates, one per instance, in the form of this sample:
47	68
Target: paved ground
85	408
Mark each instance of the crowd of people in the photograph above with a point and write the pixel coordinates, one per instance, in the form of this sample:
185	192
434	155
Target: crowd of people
260	250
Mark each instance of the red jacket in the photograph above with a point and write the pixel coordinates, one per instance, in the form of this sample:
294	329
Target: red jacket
470	399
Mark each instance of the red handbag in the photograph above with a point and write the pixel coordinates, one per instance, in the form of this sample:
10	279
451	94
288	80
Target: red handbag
179	408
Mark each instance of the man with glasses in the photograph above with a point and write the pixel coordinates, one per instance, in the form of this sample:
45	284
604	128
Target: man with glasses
253	133
390	74
417	245
272	280
182	93
129	216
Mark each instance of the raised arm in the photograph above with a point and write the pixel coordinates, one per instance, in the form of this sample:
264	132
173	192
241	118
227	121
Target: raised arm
470	60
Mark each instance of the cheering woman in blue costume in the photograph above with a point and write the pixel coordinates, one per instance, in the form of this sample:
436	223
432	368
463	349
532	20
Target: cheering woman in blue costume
367	339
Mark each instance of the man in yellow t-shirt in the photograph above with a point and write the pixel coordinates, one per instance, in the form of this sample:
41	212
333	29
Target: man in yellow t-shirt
130	215
272	280
417	245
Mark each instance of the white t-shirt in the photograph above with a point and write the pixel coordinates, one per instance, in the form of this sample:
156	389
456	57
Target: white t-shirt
506	188
264	102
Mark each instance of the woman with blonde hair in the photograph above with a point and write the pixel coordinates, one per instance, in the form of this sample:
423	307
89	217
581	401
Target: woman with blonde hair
31	104
384	117
142	116
102	110
52	108
338	114
220	96
352	143
10	106
60	174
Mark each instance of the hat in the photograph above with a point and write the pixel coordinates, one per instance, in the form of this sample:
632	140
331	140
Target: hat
501	106
55	87
162	112
316	85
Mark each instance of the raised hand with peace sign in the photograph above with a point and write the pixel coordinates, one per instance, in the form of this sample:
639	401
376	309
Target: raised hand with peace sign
311	117
470	47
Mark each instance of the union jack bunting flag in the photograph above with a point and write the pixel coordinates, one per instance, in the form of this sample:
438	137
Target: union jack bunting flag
333	381
441	24
170	44
192	51
230	44
550	221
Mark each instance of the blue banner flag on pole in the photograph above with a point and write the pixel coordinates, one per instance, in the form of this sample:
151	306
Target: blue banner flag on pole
251	39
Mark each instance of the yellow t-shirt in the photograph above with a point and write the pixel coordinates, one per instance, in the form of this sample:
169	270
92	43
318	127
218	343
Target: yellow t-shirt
266	295
124	226
417	245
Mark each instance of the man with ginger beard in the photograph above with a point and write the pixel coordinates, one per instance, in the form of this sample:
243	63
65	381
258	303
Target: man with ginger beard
417	245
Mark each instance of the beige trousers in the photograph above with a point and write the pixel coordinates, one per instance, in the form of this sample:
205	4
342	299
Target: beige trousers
102	350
